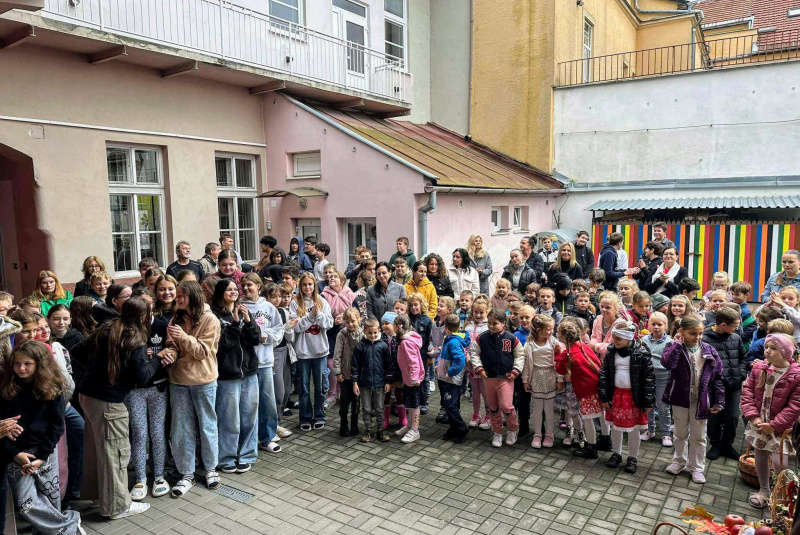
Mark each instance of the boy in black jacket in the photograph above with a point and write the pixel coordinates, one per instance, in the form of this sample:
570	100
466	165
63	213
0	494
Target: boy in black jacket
722	337
369	366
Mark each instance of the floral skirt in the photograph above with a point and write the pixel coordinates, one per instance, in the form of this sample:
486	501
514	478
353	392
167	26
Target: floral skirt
770	443
591	407
624	414
543	383
567	400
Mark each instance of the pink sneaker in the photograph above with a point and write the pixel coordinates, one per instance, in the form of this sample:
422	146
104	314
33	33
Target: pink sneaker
548	441
537	442
475	421
485	423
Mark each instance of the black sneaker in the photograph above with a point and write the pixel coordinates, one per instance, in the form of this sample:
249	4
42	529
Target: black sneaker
287	412
604	443
631	465
460	437
343	430
587	451
228	469
449	434
354	432
713	453
423	409
319	425
241	468
614	461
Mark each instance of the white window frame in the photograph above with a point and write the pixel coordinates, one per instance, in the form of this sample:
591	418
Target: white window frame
496	227
516	218
363	222
303	175
300	11
134	190
236	192
588	46
403	23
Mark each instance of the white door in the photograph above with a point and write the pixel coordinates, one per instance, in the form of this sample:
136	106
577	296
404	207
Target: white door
350	24
309	227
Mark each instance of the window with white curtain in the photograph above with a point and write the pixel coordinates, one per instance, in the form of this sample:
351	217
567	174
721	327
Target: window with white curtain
236	201
136	197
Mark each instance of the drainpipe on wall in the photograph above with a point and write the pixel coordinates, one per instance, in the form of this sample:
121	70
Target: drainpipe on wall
423	223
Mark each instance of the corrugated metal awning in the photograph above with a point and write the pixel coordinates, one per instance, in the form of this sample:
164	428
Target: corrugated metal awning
297	192
782	201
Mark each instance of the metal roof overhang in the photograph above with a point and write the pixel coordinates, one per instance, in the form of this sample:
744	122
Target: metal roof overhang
297	192
782	201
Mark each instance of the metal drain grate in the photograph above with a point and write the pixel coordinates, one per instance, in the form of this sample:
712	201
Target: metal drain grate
234	494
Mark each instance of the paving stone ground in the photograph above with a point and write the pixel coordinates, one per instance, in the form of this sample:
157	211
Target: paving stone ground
322	483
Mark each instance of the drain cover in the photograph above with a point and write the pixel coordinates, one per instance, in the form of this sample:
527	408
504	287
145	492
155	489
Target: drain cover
234	494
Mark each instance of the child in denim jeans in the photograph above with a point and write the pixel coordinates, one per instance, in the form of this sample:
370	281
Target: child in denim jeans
368	371
656	342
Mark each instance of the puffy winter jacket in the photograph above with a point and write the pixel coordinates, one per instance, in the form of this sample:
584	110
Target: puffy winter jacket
369	364
236	353
710	393
380	299
536	263
409	359
452	361
424	327
428	291
643	377
734	358
526	277
464	279
785	406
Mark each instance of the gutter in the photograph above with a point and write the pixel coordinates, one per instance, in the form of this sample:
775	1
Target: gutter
669	11
688	183
495	191
365	141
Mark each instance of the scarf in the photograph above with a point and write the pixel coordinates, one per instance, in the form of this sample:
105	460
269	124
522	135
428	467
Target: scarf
673	271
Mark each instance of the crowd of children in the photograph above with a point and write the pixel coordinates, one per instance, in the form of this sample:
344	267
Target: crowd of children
90	379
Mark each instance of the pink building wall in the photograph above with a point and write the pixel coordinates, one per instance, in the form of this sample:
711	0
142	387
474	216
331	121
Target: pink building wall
356	177
451	225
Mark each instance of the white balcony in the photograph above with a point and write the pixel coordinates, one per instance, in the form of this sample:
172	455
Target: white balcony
236	35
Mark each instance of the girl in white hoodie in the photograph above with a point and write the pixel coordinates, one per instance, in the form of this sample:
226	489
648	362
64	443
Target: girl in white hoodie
269	322
311	345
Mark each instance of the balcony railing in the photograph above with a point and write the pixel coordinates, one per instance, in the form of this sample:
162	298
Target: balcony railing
716	54
231	32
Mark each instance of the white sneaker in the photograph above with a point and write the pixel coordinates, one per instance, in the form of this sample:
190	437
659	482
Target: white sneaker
485	423
497	440
511	438
666	441
139	491
647	435
134	509
402	431
475	421
675	469
411	436
283	432
698	477
432	385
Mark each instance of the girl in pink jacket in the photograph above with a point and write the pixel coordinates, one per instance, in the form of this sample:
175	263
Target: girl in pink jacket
409	359
611	309
771	406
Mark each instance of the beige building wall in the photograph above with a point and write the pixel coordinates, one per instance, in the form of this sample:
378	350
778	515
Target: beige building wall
40	85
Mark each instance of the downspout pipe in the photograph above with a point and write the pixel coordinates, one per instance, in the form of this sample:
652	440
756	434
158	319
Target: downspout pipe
423	223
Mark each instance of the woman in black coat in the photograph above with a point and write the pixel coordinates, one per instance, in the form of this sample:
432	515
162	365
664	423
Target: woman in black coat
437	274
667	276
566	263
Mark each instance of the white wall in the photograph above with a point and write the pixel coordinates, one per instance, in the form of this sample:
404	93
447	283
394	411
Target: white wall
728	123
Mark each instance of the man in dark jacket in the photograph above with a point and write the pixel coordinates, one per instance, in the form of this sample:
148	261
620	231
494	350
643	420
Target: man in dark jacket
584	255
722	337
534	260
608	261
648	263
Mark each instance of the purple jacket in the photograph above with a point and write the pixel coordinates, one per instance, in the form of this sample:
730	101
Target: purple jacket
711	393
785	406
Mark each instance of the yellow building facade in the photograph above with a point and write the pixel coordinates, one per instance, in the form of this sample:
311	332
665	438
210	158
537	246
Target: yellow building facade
520	48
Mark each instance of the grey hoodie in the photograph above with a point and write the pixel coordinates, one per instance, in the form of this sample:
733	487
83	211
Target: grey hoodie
272	330
311	339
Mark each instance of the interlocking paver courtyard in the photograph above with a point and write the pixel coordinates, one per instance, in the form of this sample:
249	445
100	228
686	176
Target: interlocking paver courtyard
322	483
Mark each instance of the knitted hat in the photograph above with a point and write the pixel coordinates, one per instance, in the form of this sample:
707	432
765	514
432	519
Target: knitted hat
785	343
658	301
388	317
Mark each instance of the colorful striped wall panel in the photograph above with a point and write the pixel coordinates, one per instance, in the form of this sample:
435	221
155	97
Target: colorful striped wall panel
747	251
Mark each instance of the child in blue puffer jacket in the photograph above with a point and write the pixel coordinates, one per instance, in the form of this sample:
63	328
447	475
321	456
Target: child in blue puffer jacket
450	365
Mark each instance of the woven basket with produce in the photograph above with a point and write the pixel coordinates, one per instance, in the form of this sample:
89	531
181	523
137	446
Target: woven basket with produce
701	521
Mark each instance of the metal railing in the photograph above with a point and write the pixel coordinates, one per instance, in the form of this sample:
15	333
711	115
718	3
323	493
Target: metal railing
232	32
714	54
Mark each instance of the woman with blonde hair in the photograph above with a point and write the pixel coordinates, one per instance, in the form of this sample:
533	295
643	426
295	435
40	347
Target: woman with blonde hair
49	291
480	260
565	263
92	264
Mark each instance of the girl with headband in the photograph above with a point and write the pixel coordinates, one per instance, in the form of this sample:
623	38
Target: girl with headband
627	389
771	405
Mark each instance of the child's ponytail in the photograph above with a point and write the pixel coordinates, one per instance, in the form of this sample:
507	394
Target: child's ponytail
540	322
403	325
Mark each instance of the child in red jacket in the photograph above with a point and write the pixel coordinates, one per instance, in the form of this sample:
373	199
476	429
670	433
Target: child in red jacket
580	365
771	405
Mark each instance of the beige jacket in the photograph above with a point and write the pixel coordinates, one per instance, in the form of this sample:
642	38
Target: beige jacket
196	359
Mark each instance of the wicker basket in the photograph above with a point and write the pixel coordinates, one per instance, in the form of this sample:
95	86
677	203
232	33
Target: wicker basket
671	525
748	469
784	493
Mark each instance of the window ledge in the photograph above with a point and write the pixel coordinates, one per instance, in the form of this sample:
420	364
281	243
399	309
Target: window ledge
303	177
522	231
500	233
